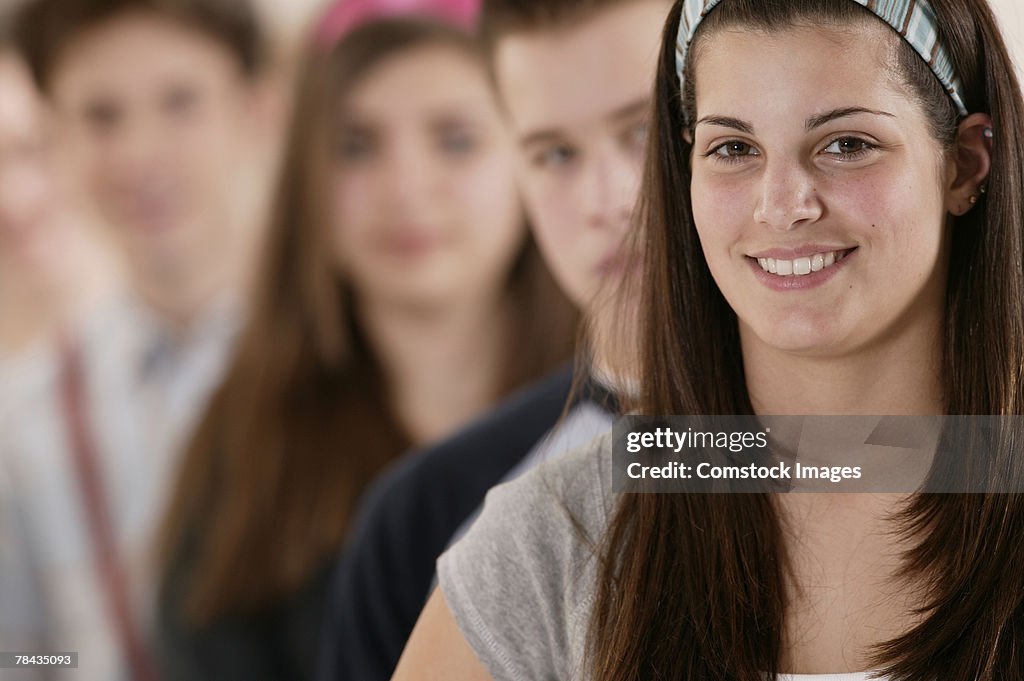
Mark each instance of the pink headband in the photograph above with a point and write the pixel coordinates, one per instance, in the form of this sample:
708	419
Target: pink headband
345	15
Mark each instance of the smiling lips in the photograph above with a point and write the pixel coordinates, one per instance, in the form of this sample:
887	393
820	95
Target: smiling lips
799	267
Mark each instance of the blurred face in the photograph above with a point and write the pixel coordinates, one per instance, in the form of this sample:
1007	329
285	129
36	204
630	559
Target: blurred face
577	99
425	205
818	193
155	115
29	195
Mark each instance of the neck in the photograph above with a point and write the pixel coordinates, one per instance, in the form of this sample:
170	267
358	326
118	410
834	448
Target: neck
179	296
443	365
899	377
179	308
614	362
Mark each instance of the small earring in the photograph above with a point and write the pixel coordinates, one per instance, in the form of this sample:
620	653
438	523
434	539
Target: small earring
973	199
982	188
988	133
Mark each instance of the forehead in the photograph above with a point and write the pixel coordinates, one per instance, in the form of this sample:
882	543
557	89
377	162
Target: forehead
133	51
420	81
802	70
559	78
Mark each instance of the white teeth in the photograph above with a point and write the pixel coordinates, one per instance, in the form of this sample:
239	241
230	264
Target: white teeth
801	266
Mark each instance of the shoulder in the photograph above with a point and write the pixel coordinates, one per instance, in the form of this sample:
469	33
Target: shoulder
521	580
566	495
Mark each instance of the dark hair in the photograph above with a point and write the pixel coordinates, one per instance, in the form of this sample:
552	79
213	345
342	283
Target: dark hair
693	586
302	422
6	39
499	18
44	28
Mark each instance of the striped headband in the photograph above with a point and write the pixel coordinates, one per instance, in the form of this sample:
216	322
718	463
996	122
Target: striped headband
914	20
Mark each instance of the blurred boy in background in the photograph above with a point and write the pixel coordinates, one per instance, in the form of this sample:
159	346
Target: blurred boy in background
158	104
579	113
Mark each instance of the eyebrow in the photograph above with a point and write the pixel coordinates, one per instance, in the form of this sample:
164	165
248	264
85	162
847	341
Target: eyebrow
821	119
810	124
621	113
727	122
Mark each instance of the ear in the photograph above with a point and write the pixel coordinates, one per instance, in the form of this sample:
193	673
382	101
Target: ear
972	163
687	136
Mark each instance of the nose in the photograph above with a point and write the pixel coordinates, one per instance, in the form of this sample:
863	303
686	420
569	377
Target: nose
408	176
612	185
788	197
138	152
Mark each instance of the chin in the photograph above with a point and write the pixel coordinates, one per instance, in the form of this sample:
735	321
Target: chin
413	295
801	335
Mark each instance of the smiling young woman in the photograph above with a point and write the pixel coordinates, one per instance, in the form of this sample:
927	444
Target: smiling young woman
818	239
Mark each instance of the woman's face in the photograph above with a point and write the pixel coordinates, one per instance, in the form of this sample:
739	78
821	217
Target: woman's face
818	193
424	203
30	196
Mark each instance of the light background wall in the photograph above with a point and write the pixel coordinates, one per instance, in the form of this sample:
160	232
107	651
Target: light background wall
1011	16
288	21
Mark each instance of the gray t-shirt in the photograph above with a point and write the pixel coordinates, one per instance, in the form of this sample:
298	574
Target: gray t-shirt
520	584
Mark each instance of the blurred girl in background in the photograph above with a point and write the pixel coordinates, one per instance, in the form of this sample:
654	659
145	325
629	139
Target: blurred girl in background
51	267
398	267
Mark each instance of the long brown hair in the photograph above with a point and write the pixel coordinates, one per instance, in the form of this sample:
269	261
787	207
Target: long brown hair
692	586
302	422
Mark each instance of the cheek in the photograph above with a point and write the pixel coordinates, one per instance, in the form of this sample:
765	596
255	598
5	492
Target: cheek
871	199
557	217
208	149
558	229
723	209
350	211
484	198
896	212
91	159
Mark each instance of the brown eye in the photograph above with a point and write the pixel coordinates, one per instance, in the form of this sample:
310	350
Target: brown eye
734	149
848	147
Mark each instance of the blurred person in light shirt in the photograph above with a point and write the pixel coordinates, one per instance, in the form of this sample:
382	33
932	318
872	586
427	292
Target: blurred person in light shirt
160	105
